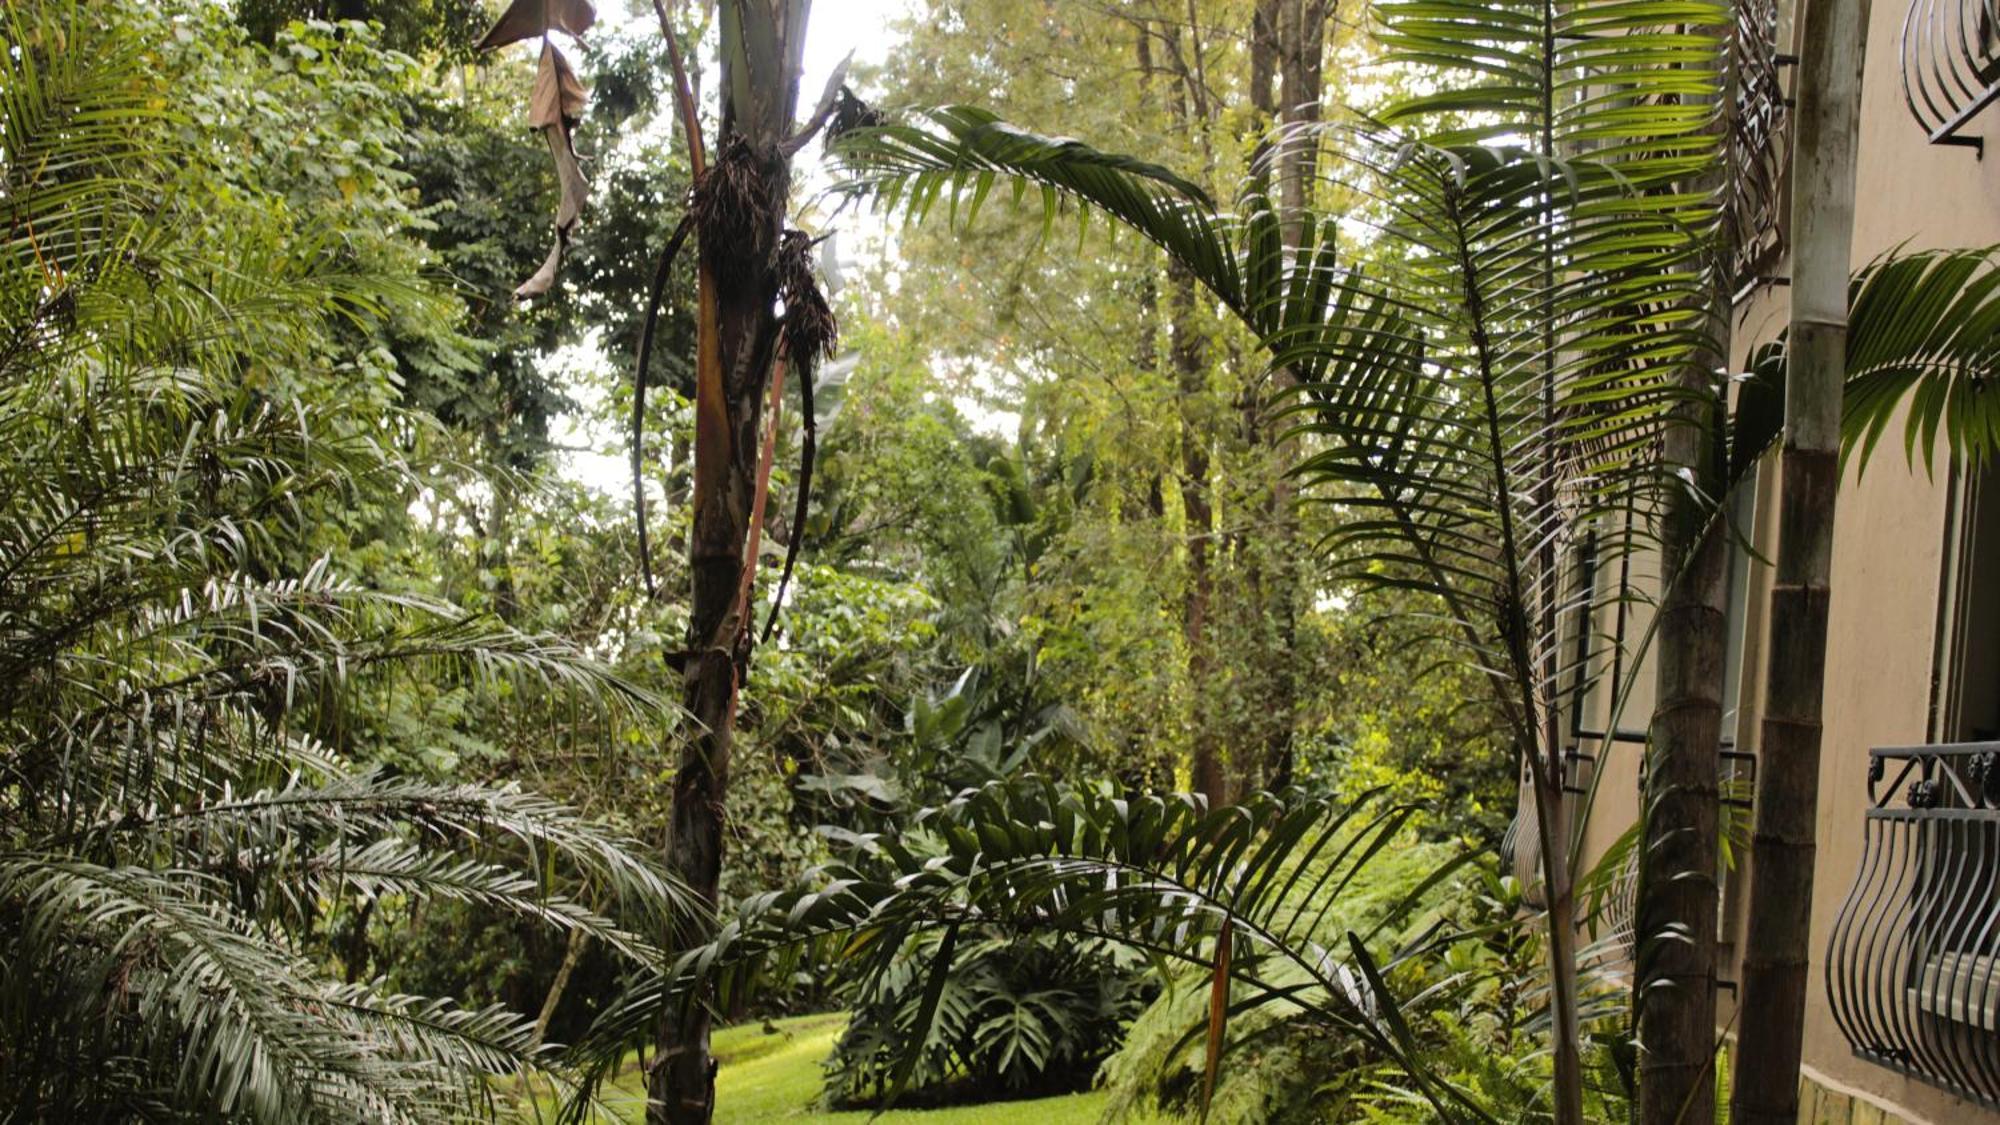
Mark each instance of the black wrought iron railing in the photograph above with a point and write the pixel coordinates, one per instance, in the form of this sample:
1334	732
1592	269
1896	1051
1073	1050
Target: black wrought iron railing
1913	963
1951	66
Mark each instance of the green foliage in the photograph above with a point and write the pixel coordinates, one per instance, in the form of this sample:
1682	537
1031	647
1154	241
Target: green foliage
1283	1063
448	27
185	421
1485	1021
770	1071
1923	335
1402	713
1021	1015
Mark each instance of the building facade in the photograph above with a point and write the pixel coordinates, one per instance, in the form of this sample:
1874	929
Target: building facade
1903	1017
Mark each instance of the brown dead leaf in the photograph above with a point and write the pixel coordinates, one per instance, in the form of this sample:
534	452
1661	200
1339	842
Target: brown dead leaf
544	278
1218	1017
529	19
558	96
554	107
575	189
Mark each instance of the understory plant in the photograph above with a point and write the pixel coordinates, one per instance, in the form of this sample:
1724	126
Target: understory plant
1282	1063
1019	1014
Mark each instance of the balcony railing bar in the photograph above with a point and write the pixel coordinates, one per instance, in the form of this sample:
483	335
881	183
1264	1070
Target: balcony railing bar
1913	963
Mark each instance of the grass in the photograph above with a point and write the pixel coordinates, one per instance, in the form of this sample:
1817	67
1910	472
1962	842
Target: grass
775	1076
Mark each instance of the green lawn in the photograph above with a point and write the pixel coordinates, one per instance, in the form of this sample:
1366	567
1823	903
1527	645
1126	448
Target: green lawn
776	1077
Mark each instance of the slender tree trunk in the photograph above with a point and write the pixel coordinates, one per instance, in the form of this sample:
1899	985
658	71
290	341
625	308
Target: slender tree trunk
1292	34
1566	1031
1782	848
1537	667
739	226
1188	354
573	951
1680	857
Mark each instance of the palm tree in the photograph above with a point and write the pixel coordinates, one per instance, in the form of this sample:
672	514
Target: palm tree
749	264
1497	381
173	831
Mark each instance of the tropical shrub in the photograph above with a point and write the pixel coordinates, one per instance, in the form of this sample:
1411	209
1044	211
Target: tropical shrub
1235	894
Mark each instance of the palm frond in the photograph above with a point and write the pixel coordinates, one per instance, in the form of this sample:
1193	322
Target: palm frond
1923	342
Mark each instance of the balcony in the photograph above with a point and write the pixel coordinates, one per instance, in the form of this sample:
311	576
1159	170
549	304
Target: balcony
1911	966
1951	66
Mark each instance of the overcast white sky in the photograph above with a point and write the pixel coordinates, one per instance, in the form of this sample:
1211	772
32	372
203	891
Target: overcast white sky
836	28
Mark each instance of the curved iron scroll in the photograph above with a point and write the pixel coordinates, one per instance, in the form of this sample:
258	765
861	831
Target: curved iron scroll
1911	966
1759	142
1951	65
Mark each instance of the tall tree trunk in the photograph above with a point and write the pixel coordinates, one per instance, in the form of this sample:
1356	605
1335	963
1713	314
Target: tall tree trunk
740	215
1291	33
1187	351
1680	858
1782	850
1674	979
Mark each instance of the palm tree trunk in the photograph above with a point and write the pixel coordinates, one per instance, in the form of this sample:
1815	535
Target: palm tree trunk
1674	981
736	340
1673	996
1782	850
1566	1032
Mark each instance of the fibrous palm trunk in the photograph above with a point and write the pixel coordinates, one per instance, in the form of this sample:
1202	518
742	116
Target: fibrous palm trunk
1674	981
1782	849
739	211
